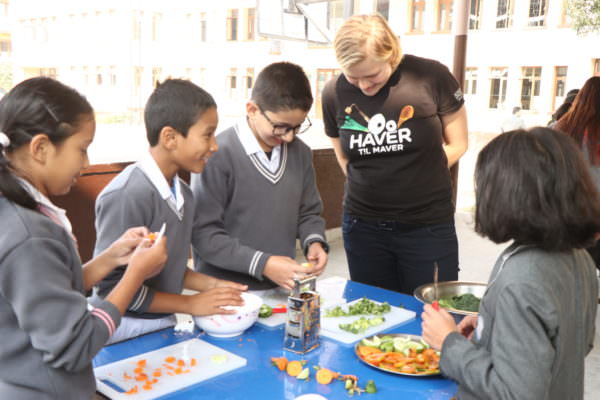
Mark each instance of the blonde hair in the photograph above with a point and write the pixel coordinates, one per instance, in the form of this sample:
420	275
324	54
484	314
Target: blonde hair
362	36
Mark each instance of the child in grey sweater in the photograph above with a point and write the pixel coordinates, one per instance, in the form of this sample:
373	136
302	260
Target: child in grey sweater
180	119
49	336
258	194
537	318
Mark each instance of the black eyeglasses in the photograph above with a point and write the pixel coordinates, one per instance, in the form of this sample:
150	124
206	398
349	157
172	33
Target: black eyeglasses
280	130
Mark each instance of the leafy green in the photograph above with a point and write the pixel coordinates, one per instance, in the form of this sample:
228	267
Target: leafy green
464	302
362	307
265	311
362	324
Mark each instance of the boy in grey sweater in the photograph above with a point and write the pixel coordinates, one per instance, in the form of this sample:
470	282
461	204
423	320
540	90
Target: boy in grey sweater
536	320
258	194
180	119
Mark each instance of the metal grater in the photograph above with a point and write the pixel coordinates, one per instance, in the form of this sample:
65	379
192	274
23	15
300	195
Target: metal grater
303	317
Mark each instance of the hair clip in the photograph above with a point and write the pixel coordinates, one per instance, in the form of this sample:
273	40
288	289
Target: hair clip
4	140
51	113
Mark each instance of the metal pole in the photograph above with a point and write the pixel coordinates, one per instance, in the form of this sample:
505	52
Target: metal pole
460	29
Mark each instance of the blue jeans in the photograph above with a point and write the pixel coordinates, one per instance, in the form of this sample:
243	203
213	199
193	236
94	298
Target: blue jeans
399	257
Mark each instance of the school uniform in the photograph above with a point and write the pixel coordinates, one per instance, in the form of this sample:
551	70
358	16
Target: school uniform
49	335
250	207
536	325
141	196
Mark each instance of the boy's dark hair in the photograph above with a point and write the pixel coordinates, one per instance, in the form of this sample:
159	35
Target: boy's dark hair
35	106
177	103
282	86
534	187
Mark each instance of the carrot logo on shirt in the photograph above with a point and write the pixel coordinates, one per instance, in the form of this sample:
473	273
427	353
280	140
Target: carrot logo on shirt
379	135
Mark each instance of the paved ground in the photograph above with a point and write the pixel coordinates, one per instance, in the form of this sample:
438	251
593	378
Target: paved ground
477	256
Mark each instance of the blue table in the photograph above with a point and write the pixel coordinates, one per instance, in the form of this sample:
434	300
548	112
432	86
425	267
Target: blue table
259	379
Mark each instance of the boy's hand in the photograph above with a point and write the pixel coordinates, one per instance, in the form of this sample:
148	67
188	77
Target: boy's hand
148	259
317	257
436	326
121	250
212	301
220	283
282	270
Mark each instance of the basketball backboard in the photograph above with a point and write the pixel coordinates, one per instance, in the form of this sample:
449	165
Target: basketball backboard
306	20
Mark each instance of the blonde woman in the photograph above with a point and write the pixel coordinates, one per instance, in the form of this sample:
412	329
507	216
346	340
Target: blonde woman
397	123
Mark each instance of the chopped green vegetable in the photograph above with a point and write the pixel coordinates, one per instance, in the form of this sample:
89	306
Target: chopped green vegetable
362	307
371	388
265	311
218	359
464	302
303	374
362	324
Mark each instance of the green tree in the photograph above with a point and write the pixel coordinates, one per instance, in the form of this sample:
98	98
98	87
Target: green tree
585	15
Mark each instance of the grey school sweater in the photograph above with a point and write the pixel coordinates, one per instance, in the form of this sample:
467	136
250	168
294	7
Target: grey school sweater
245	213
48	335
537	325
131	200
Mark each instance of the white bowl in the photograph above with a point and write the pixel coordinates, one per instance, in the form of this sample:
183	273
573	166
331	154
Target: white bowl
230	325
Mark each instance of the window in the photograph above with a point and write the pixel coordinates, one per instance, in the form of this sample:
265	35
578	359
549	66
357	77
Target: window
249	82
137	25
4	8
232	24
444	15
530	86
323	76
250	23
113	76
498	80
470	81
232	82
203	27
156	22
99	76
335	14
560	80
289	6
138	72
475	14
596	70
383	8
156	76
416	15
504	14
5	46
537	12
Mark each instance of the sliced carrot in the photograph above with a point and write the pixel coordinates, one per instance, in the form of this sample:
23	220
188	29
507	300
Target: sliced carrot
126	376
279	362
181	363
141	377
365	350
157	373
141	363
193	362
170	359
133	390
147	386
138	370
294	368
178	370
168	366
324	376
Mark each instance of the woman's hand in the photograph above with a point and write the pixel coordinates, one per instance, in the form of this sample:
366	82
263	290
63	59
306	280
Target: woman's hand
148	259
283	270
212	301
436	326
467	326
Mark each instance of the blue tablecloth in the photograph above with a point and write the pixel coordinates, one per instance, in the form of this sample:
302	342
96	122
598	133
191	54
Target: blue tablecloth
259	379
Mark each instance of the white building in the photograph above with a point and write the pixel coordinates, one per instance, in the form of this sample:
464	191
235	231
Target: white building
520	52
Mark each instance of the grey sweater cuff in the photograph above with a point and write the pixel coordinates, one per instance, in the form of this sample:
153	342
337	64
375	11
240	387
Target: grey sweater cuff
315	237
108	314
260	266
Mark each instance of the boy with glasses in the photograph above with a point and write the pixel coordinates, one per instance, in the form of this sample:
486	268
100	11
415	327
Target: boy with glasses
258	194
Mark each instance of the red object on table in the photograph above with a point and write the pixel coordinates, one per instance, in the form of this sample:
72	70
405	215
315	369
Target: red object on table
279	309
436	305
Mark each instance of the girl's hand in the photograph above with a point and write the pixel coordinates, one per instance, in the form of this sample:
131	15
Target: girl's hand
212	301
220	283
282	270
467	326
148	259
121	250
436	326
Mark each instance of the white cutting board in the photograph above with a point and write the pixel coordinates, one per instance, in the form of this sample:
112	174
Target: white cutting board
331	291
330	325
205	368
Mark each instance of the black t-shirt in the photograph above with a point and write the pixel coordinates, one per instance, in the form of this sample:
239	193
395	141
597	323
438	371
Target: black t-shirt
397	168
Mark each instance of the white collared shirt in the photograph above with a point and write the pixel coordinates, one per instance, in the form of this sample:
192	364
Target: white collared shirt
251	146
58	212
153	172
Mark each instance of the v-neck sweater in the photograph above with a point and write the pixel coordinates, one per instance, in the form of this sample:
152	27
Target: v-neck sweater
246	213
